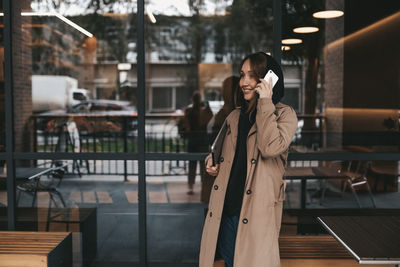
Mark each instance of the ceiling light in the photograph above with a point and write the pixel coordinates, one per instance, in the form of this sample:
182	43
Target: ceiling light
305	29
328	14
285	48
59	16
150	15
291	41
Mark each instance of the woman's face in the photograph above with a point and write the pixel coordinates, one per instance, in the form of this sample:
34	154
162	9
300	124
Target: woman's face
248	81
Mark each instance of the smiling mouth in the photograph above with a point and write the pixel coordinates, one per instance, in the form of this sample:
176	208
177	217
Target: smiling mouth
247	90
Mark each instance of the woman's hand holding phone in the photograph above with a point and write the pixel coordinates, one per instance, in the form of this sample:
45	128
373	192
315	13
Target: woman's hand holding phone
264	88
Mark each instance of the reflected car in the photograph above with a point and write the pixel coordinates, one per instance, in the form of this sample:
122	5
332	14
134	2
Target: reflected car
114	111
109	108
105	106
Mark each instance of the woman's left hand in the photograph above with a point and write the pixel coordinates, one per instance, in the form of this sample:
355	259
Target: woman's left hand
264	88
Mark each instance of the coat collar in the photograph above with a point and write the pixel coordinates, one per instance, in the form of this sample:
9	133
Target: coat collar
233	120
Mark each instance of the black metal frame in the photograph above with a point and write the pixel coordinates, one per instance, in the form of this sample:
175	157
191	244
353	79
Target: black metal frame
329	156
10	156
277	30
8	84
141	133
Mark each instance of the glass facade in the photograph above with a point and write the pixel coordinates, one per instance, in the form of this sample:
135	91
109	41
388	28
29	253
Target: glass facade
2	91
3	165
77	139
192	61
71	95
357	103
100	209
345	103
77	58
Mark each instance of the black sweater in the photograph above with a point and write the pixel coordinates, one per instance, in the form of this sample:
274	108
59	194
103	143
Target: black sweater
237	177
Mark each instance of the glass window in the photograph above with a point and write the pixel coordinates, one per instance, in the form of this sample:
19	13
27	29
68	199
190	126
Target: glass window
89	198
3	184
79	96
193	51
2	89
75	90
162	98
74	80
74	58
344	101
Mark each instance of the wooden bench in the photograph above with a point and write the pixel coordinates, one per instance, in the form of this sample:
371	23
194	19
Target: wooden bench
311	247
82	222
35	249
315	251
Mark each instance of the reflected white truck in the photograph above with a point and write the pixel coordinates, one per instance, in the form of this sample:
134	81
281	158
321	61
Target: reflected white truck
50	92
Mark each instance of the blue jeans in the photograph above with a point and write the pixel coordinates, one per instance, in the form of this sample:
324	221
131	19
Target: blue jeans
227	238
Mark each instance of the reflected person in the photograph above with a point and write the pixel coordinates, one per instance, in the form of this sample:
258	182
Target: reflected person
245	209
195	124
229	88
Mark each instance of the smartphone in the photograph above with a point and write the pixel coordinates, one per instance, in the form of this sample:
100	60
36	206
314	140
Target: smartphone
271	74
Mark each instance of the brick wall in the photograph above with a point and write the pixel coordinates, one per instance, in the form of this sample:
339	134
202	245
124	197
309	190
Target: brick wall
87	68
333	64
22	71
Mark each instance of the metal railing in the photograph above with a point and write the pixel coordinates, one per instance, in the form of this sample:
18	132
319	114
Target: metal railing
77	133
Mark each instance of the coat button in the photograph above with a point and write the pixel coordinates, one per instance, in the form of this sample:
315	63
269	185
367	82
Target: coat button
245	221
248	192
253	161
221	159
210	214
216	187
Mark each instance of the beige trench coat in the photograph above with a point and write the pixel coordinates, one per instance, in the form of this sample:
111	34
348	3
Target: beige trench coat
260	218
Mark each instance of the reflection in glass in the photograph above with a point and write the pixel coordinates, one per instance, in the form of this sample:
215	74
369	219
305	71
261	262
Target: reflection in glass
334	80
342	101
360	188
3	184
72	94
195	47
341	184
89	198
2	89
73	59
192	53
175	218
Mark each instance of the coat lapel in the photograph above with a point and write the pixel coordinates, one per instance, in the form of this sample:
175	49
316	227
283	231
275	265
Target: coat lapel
253	130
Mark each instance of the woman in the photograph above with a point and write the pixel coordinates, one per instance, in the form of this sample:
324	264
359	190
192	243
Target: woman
195	122
245	210
229	88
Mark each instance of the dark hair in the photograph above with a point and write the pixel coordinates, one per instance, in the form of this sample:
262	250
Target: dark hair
229	89
260	63
196	99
